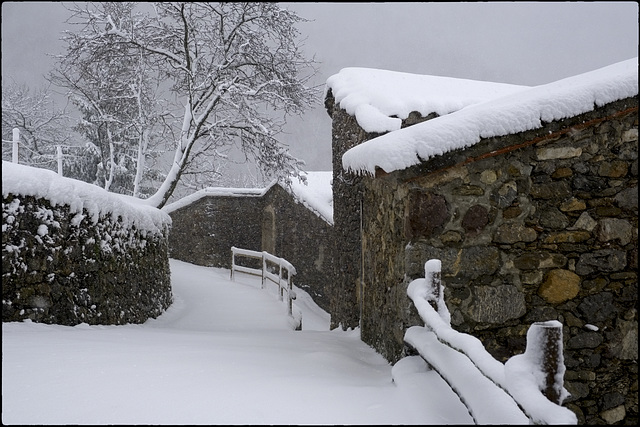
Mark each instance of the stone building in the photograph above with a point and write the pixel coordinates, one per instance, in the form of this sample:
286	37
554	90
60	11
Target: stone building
528	196
291	223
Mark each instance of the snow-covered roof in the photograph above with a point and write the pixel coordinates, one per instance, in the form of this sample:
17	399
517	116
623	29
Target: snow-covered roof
43	183
316	194
380	99
506	110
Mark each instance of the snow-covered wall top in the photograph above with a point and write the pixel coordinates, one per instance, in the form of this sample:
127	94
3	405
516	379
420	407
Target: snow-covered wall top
215	192
374	96
316	194
522	110
42	183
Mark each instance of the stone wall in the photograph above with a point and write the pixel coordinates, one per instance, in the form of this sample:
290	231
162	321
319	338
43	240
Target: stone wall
63	267
204	231
536	226
347	285
303	239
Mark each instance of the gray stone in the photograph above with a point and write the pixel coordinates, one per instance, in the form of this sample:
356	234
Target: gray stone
625	345
506	194
550	153
585	340
628	198
479	260
598	308
497	304
551	190
589	183
554	219
615	415
584	222
512	233
607	260
630	135
615	229
535	260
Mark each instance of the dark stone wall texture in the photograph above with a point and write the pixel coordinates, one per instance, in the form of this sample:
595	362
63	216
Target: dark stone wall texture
67	268
536	226
204	231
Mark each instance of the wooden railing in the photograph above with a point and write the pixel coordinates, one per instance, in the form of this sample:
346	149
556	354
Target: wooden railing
528	385
274	269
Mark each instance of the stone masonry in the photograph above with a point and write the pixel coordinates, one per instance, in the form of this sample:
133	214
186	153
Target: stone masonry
536	226
204	231
69	268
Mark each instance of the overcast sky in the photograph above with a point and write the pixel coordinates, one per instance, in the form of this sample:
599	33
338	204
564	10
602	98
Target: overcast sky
528	43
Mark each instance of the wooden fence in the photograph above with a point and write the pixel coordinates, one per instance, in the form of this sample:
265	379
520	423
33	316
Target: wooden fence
274	269
15	142
528	388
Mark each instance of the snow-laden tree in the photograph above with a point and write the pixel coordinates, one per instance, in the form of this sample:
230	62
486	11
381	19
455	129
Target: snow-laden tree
115	90
41	125
233	71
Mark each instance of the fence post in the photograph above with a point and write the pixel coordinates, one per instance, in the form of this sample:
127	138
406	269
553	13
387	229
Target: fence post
290	295
280	291
264	270
545	339
59	152
432	273
14	148
233	261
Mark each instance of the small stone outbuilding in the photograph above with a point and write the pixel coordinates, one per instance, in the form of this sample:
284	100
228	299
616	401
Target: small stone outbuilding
528	196
292	223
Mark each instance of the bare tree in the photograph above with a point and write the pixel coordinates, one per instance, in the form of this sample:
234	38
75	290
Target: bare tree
234	71
115	91
41	125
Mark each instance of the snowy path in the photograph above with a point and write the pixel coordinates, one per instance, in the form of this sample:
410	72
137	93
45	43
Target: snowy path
224	353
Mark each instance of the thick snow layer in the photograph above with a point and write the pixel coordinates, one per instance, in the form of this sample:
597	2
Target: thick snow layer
42	183
520	375
214	192
521	110
380	99
316	194
224	353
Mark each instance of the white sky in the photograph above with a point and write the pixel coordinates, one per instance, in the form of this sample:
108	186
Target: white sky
524	43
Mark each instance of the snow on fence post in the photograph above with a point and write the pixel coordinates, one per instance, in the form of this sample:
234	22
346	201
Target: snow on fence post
545	339
14	148
433	277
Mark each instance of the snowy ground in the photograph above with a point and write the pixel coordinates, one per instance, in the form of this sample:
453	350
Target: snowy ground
224	353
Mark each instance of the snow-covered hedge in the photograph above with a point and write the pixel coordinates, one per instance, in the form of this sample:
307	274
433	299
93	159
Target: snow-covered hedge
73	253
